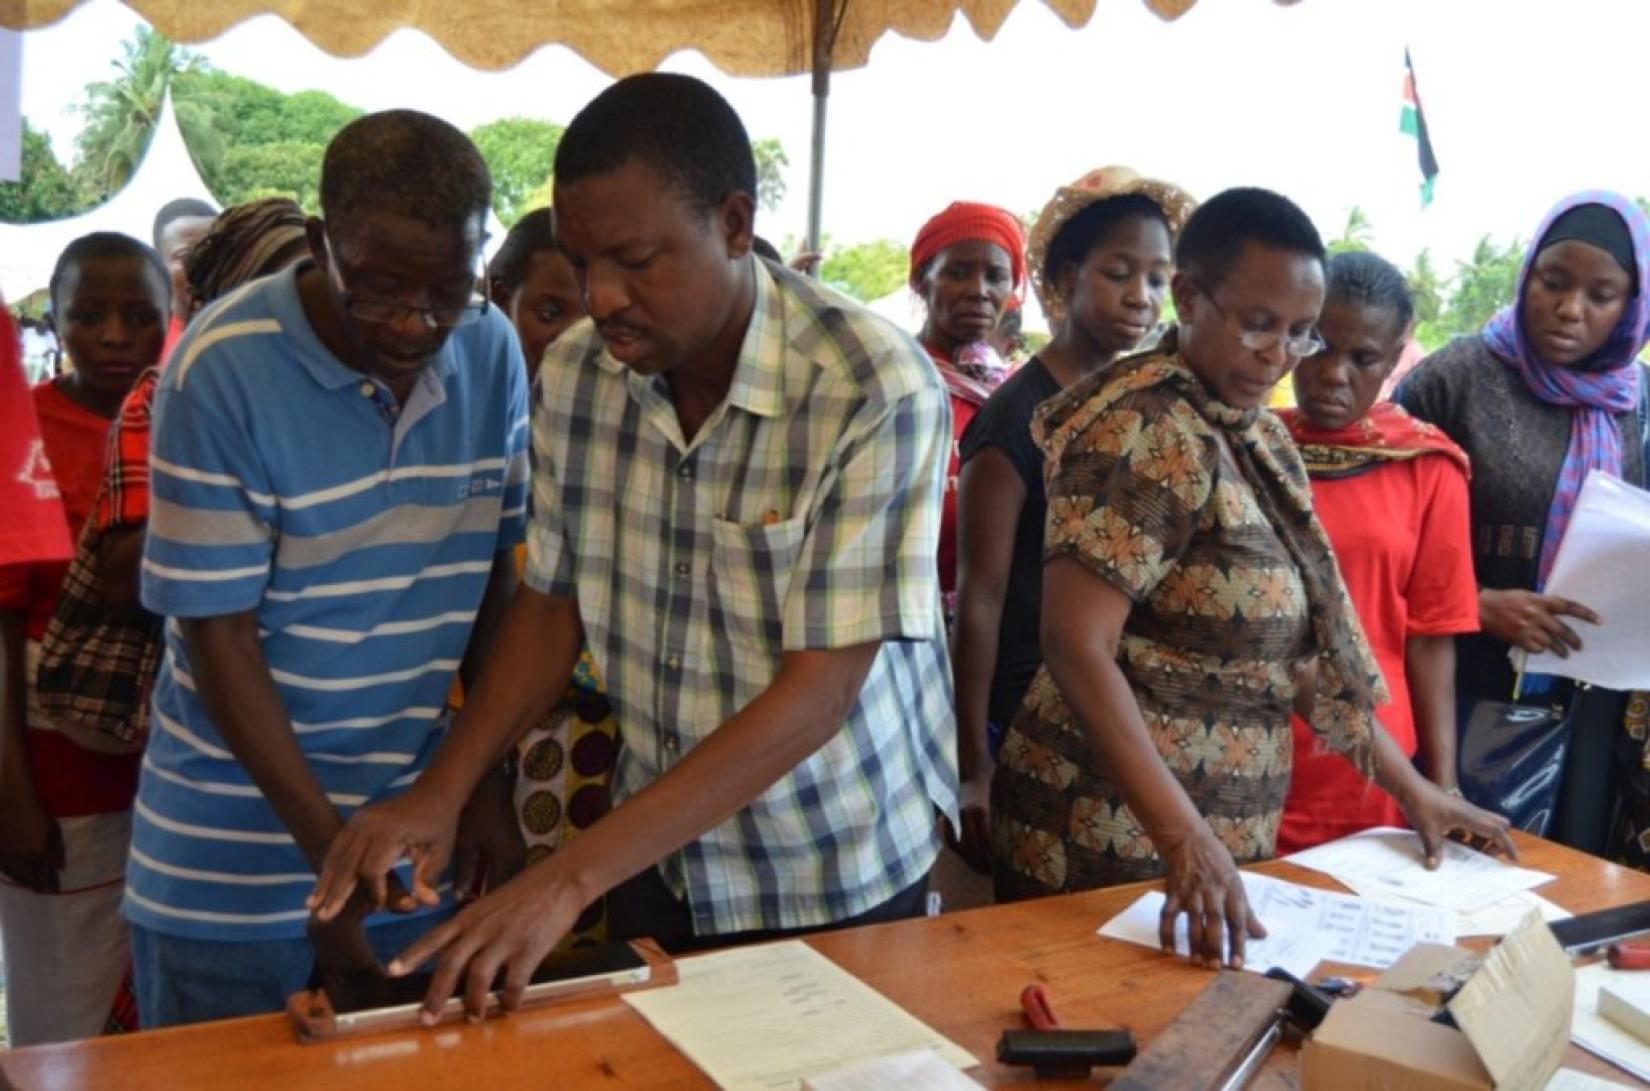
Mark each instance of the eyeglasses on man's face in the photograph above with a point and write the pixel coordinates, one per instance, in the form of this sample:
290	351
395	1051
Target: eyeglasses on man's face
461	309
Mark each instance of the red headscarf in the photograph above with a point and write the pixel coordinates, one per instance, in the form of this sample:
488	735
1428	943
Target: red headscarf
968	221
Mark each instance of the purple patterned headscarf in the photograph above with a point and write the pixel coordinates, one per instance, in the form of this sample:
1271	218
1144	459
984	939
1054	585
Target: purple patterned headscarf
1610	383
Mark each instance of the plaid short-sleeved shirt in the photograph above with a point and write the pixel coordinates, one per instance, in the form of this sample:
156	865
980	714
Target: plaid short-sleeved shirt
803	515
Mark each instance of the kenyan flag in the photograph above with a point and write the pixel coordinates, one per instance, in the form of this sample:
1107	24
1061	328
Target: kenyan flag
1414	122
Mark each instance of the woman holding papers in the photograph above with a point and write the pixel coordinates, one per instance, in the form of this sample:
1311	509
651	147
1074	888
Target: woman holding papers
1190	602
1392	494
1547	393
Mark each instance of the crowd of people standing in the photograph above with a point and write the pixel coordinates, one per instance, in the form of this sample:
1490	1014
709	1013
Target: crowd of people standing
638	585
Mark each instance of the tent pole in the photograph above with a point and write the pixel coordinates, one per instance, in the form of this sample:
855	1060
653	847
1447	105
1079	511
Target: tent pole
827	20
816	165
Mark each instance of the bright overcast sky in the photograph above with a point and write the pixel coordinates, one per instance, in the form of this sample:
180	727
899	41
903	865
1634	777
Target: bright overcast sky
1527	100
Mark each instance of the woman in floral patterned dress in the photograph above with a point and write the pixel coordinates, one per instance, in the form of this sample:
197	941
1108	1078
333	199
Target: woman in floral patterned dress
1190	603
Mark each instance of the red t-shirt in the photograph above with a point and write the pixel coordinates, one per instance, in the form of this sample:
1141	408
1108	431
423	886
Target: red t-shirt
1403	541
33	529
69	779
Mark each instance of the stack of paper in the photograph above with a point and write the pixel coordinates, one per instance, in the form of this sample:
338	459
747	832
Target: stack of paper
768	1017
1596	1034
1388	863
1304	927
1601	564
1627	1005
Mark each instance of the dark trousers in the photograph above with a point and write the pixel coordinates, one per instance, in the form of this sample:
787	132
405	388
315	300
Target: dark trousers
1589	793
644	908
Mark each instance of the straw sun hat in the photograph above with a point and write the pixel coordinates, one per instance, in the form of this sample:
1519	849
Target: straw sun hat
1069	200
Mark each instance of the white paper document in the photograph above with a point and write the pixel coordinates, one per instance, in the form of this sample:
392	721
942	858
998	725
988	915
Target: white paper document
1568	1079
1388	863
764	1018
1304	927
920	1070
1602	563
1596	1034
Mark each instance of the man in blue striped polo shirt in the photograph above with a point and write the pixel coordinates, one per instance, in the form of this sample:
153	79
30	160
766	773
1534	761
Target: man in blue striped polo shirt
339	475
736	491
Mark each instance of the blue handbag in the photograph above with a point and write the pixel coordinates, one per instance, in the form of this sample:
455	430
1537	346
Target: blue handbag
1511	761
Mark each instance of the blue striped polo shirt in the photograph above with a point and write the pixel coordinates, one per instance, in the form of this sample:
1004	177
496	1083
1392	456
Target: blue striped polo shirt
286	483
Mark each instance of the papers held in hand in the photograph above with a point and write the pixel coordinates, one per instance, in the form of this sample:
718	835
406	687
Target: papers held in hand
1601	564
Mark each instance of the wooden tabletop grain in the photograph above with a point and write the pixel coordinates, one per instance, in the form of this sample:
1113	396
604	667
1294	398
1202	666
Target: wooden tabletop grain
962	973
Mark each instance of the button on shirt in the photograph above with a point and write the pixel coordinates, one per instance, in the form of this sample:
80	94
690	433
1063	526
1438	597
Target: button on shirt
804	515
362	532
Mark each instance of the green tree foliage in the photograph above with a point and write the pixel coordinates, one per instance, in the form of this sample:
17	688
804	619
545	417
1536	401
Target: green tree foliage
275	142
1452	306
520	152
246	139
1484	284
288	169
866	271
45	191
543	196
121	114
251	113
1427	289
771	165
1355	236
1461	305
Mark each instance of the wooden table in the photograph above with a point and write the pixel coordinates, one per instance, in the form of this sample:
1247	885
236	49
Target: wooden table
961	973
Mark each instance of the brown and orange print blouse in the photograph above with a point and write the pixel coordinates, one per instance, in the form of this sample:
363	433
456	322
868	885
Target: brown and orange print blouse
1235	589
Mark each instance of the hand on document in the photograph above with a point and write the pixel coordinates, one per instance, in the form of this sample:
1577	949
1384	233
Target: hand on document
1201	883
1387	863
1306	926
1437	816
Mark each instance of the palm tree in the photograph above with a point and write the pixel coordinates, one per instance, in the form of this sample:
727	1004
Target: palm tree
121	113
1356	235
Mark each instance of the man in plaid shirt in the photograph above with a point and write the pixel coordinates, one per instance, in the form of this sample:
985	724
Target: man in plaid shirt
737	478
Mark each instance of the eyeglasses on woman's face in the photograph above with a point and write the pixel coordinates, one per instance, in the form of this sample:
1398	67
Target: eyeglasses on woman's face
1299	345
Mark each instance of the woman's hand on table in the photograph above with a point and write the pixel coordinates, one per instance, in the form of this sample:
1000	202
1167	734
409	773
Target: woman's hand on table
1532	621
1435	815
1201	882
412	825
508	932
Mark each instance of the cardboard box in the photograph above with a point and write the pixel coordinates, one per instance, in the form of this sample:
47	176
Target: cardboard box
1513	1010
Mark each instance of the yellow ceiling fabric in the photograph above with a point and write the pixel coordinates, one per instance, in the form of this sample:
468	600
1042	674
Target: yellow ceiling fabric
741	37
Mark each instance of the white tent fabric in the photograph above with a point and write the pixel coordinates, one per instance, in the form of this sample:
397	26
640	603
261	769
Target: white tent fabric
904	309
28	251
